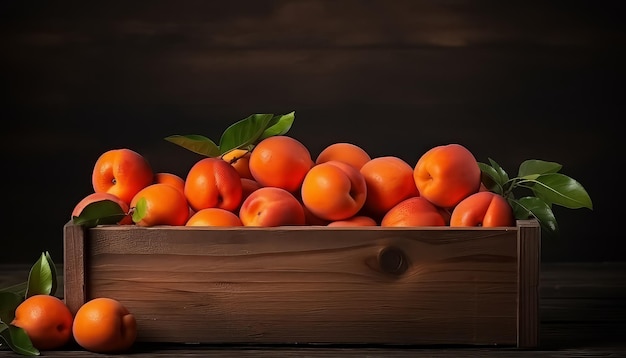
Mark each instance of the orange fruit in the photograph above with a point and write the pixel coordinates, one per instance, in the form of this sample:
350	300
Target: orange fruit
357	220
164	205
214	217
414	211
271	206
389	180
484	208
281	162
94	197
47	321
171	179
121	172
213	183
344	152
447	174
240	160
334	190
104	325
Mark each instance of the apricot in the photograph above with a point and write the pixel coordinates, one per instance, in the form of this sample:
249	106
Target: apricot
447	174
484	208
271	206
414	211
334	190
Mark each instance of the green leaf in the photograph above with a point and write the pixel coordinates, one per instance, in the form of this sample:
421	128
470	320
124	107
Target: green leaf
530	205
279	125
101	212
53	271
534	166
491	179
196	143
140	210
504	177
17	339
244	132
8	303
560	189
40	278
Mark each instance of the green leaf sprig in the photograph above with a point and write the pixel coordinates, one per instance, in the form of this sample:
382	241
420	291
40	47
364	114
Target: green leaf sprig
537	187
42	280
243	134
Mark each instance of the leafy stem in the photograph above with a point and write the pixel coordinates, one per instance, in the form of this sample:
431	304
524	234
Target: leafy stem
547	187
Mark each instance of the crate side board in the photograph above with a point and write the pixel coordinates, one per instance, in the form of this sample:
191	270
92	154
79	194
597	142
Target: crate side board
74	251
309	285
529	263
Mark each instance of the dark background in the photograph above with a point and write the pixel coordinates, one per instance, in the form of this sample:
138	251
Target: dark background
509	80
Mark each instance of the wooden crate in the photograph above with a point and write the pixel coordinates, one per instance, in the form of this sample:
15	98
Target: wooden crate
287	285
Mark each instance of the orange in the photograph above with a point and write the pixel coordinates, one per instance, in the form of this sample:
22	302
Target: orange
104	325
214	217
344	152
484	208
357	220
447	174
281	162
389	180
121	172
414	211
46	320
334	190
213	183
164	205
171	179
240	160
271	206
94	197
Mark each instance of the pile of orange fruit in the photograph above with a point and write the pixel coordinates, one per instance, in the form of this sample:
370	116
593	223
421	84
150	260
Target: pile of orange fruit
279	182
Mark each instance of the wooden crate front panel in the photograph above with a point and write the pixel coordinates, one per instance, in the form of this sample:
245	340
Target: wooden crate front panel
310	285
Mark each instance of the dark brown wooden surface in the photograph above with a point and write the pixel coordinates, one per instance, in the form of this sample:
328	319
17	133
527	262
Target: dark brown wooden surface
582	310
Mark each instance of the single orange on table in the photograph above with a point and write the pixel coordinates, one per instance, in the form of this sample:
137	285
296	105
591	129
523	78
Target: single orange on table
121	172
104	325
47	321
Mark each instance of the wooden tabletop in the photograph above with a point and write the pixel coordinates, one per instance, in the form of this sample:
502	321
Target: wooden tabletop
582	309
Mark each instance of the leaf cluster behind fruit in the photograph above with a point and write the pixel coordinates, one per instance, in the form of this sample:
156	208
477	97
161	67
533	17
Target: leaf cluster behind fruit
547	186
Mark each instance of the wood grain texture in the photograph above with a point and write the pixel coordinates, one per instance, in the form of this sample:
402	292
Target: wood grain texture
529	259
307	285
74	251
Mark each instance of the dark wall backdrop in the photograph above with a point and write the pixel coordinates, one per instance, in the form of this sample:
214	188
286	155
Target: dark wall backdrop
509	80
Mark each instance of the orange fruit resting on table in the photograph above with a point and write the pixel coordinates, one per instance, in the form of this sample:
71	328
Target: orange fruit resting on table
164	205
121	172
447	174
104	325
213	183
280	162
46	320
